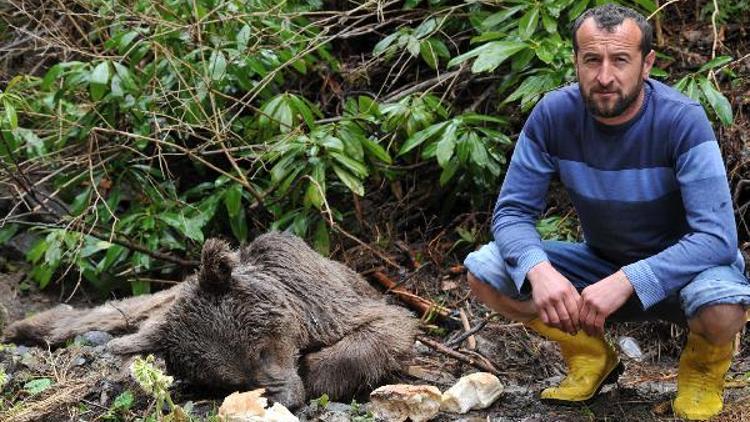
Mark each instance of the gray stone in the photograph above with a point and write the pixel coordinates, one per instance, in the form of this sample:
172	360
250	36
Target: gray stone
93	338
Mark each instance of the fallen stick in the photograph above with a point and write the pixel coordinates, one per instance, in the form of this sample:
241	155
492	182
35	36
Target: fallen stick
471	341
481	364
424	306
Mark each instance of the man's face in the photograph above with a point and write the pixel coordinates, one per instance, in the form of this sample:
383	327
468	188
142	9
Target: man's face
611	69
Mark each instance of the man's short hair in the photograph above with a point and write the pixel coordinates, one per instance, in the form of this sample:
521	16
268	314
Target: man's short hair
609	16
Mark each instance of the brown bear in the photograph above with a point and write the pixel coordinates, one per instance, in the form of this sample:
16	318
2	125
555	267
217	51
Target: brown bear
274	314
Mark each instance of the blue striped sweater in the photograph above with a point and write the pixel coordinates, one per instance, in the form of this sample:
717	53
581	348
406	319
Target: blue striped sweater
651	194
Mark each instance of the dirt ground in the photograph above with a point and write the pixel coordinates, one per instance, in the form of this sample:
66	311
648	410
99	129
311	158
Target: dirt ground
85	381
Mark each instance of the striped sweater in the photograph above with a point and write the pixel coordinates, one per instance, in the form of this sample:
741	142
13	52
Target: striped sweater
651	194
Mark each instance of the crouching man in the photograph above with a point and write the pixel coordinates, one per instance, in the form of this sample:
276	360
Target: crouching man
643	168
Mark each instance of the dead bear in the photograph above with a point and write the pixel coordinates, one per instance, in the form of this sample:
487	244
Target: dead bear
274	314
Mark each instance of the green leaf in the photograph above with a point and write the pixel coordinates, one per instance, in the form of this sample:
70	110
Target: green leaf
718	102
495	54
233	199
124	401
528	23
217	65
448	172
243	37
51	76
428	54
421	136
383	44
714	63
500	17
577	9
469	54
549	23
10	114
425	28
373	148
140	287
479	155
99	80
315	192
321	239
447	144
7	232
649	5
95	247
238	224
658	73
354	166
413	46
38	385
351	182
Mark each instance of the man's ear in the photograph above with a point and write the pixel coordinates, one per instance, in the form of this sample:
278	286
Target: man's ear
648	64
217	262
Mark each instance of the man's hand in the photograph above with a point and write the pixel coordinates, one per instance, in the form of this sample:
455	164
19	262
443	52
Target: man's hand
601	299
555	298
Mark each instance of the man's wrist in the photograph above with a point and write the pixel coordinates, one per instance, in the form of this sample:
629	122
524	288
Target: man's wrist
623	280
537	272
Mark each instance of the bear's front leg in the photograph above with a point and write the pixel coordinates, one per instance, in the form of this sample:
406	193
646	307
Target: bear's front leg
277	373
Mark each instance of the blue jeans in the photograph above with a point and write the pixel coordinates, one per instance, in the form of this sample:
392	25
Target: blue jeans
579	264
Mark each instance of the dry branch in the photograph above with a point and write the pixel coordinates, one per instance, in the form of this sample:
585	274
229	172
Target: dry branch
424	306
481	364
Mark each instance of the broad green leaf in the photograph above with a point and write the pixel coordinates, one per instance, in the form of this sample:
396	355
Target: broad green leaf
446	145
425	28
321	239
243	37
422	136
718	102
549	23
428	54
448	172
658	73
500	17
352	165
51	76
692	90
649	5
383	44
316	188
99	80
140	287
123	401
528	23
238	224
92	248
10	114
479	154
351	182
413	46
376	150
495	54
578	8
217	65
714	63
469	54
233	199
7	232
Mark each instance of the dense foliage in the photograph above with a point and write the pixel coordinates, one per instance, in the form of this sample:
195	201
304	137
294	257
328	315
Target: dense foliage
167	122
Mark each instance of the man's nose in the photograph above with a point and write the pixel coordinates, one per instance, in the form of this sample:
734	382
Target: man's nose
605	76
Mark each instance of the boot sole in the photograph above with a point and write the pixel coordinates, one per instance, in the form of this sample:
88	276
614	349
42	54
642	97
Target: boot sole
611	378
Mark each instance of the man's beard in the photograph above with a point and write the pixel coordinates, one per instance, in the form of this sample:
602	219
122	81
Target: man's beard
621	104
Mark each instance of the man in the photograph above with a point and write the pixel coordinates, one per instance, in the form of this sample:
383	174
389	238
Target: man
643	169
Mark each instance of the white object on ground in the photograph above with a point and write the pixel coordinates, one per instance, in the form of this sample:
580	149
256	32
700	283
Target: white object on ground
396	403
473	391
250	406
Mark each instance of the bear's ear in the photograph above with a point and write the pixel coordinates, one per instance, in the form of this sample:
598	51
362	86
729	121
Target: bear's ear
217	262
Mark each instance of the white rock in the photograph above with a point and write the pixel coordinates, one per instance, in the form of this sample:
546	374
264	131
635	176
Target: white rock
474	391
396	403
250	406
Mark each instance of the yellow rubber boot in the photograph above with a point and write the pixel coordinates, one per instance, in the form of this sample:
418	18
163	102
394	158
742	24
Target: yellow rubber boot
700	380
590	360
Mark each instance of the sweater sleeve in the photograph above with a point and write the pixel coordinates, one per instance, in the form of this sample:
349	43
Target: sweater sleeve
522	200
712	237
